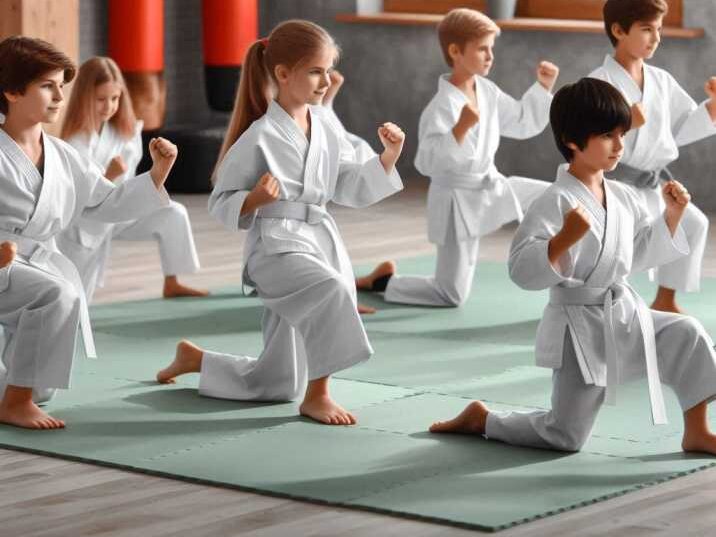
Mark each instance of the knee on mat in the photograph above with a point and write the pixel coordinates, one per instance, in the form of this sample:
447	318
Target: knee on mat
455	297
571	441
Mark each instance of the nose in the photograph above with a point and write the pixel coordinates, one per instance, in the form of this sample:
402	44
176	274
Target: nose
326	81
58	96
619	143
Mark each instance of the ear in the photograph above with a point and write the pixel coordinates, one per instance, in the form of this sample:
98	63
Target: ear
572	146
281	72
618	31
11	97
453	51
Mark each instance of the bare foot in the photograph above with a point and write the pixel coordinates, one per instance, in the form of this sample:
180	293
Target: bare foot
174	289
17	408
186	360
700	443
386	268
472	420
325	410
7	253
365	310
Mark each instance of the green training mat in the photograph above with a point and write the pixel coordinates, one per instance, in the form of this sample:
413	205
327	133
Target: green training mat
428	364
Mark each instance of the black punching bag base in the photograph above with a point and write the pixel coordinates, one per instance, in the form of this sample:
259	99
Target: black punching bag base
221	85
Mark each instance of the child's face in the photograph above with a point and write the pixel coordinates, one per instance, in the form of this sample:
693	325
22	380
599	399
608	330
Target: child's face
642	40
602	152
106	100
42	100
477	56
308	82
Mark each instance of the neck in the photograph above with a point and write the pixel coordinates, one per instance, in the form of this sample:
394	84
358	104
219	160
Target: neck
298	111
24	132
631	64
462	80
589	175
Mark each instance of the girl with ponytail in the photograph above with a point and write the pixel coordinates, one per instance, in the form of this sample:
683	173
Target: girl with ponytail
282	161
101	125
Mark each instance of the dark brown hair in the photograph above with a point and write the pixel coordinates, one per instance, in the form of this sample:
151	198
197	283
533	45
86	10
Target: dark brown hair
626	12
25	59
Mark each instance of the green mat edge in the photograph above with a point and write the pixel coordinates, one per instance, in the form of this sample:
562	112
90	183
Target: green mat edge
354	504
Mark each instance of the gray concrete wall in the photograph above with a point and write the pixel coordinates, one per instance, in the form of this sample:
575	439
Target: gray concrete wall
391	73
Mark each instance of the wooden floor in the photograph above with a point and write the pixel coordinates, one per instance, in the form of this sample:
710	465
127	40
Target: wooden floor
42	496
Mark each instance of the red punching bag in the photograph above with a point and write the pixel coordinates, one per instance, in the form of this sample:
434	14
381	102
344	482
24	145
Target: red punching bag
136	43
230	27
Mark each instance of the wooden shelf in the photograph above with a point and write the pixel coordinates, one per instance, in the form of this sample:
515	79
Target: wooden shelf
523	24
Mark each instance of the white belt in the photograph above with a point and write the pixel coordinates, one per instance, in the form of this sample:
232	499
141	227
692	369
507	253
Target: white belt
595	296
38	253
465	180
294	210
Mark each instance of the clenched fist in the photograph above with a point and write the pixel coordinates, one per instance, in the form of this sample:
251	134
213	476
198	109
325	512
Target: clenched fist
392	137
116	168
710	88
164	154
267	190
576	224
638	117
8	250
547	74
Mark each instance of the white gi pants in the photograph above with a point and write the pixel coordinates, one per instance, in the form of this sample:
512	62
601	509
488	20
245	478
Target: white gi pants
687	363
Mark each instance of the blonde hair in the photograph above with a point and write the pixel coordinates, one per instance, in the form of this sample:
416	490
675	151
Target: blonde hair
80	117
290	44
462	25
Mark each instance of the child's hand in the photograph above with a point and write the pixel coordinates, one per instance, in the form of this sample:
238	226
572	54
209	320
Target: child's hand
547	74
638	117
469	117
336	83
8	250
710	88
392	138
116	168
576	224
164	154
676	197
266	191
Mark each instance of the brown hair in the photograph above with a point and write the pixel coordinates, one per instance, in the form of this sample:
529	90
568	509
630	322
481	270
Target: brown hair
626	12
289	44
25	59
80	115
462	25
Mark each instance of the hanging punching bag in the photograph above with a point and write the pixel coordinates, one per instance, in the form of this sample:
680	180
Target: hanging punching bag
230	27
136	43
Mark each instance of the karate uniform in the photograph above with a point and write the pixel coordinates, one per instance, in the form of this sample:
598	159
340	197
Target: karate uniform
41	295
294	255
596	331
468	197
88	244
673	119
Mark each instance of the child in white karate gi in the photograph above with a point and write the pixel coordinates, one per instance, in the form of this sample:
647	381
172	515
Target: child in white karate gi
581	239
44	186
672	118
101	125
459	134
281	136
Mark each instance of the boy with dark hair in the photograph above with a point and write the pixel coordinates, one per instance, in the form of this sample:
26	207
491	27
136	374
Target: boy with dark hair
44	185
459	134
672	118
581	239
